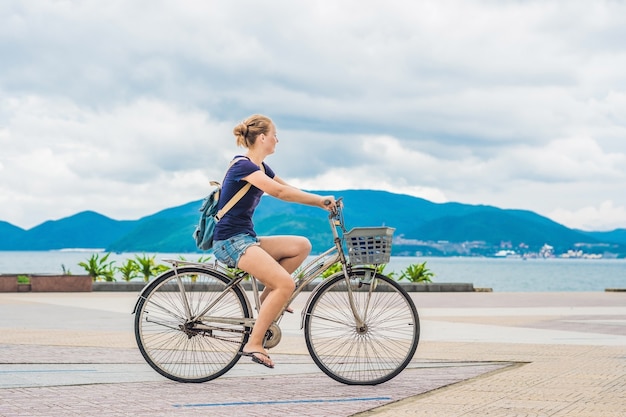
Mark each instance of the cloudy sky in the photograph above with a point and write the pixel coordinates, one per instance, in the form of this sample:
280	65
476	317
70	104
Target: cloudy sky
127	107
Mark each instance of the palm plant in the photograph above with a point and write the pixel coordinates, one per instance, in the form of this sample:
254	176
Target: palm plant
98	268
234	272
334	268
204	259
338	268
129	270
201	259
147	267
159	269
417	273
381	270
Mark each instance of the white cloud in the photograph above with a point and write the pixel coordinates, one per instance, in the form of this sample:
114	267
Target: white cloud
565	160
514	104
125	163
366	178
605	216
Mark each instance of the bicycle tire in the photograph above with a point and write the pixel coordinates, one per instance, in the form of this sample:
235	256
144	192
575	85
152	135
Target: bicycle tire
367	355
167	336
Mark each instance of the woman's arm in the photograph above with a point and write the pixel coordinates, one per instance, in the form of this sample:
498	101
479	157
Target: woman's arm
281	181
278	188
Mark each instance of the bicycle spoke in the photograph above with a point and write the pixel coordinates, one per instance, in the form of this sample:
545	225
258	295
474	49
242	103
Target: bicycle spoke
175	340
367	354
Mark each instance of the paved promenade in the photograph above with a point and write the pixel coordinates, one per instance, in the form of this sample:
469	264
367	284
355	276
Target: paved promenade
480	354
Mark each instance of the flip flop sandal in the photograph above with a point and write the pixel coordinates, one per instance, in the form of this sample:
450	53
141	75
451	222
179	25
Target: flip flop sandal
257	359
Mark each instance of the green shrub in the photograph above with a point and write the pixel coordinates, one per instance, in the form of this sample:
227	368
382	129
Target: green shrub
417	273
334	268
98	268
381	270
147	266
129	270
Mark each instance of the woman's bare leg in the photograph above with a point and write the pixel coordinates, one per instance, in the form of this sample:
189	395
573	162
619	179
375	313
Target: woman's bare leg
288	251
272	263
263	267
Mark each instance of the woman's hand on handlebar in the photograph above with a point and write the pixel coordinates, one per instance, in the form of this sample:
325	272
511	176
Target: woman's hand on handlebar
329	203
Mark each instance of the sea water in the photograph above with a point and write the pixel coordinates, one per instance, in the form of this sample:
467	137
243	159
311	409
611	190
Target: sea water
499	274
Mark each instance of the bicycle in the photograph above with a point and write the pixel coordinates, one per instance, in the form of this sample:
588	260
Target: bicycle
360	326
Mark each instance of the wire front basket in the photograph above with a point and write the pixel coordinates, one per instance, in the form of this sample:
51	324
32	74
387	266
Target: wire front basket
369	245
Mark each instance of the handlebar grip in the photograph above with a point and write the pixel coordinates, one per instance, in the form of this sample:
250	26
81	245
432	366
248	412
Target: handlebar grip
327	202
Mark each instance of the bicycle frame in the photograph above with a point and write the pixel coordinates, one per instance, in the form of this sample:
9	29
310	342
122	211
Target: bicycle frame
318	266
303	277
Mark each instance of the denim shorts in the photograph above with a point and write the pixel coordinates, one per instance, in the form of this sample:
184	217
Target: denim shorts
230	250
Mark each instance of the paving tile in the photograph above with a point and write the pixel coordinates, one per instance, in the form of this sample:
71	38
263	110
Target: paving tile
552	355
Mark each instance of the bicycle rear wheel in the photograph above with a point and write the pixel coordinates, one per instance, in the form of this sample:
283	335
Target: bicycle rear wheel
367	353
179	344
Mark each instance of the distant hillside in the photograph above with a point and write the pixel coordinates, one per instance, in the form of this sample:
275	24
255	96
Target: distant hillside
494	226
158	234
83	230
422	225
10	235
616	236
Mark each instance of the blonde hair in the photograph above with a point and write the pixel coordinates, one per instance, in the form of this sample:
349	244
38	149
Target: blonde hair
247	131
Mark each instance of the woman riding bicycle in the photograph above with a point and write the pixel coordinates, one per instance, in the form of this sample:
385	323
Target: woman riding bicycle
270	259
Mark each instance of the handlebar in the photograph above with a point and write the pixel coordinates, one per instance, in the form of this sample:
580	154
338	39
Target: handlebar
336	213
338	205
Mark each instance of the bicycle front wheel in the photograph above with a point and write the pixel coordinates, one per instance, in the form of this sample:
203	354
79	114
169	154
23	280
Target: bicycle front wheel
368	352
188	327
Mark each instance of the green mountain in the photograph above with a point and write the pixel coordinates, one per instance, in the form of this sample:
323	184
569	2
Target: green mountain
617	236
421	225
83	230
158	234
10	235
495	226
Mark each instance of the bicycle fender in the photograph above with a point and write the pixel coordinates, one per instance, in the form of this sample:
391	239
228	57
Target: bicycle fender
140	296
355	270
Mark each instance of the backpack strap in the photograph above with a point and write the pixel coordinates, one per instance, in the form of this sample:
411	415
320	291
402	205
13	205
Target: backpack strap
235	199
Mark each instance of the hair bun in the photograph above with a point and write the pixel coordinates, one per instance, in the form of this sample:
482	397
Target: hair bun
247	131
